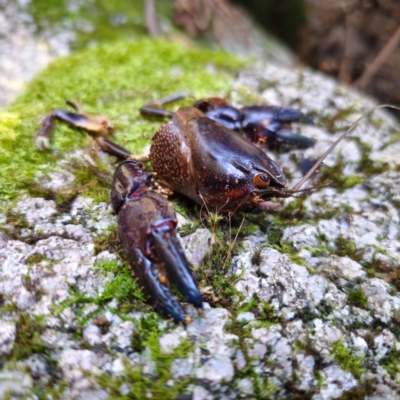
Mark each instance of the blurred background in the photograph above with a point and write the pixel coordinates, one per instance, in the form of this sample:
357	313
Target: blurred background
355	41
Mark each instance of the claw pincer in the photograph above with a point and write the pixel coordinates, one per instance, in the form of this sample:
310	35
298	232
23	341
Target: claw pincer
260	124
147	229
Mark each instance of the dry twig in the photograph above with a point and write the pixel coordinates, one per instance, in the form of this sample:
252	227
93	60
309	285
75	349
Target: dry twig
381	58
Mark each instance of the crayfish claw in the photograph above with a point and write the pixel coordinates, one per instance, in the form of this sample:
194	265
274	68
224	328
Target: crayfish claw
157	292
167	246
147	229
259	113
286	137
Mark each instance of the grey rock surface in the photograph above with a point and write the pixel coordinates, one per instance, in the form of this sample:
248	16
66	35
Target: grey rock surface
197	245
22	52
324	296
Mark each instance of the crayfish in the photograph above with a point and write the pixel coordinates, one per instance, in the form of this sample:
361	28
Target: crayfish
199	154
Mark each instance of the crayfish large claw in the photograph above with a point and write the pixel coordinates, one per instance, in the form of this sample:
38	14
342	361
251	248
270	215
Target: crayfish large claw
159	295
271	124
168	248
147	229
260	124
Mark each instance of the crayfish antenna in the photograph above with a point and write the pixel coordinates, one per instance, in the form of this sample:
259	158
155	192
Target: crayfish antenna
295	188
309	188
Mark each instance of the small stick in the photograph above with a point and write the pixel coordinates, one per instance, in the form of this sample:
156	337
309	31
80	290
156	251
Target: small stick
381	58
151	18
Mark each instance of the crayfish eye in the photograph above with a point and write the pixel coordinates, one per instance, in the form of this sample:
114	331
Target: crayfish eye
261	180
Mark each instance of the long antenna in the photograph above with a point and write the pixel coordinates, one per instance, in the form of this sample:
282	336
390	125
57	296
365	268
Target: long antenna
334	144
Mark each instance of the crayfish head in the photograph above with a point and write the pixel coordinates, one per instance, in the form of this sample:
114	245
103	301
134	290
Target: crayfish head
130	180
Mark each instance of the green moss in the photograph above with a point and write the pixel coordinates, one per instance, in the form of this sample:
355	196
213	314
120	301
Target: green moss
122	287
114	79
106	21
147	336
251	305
391	362
347	360
188	229
53	390
145	325
293	213
263	387
17	220
321	311
264	311
319	378
359	392
338	180
217	286
356	297
346	247
366	165
330	121
108	240
92	181
27	339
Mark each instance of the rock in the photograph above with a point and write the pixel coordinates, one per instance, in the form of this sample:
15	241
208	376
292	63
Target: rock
148	366
240	360
14	383
304	372
245	316
35	210
300	236
55	180
324	337
359	345
118	367
383	343
344	267
122	333
182	221
92	335
24	299
38	366
197	245
245	387
199	393
171	341
7	337
335	382
379	299
256	351
24	53
182	368
289	286
215	372
93	395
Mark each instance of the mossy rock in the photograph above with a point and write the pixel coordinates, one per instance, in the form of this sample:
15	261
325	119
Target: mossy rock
114	79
